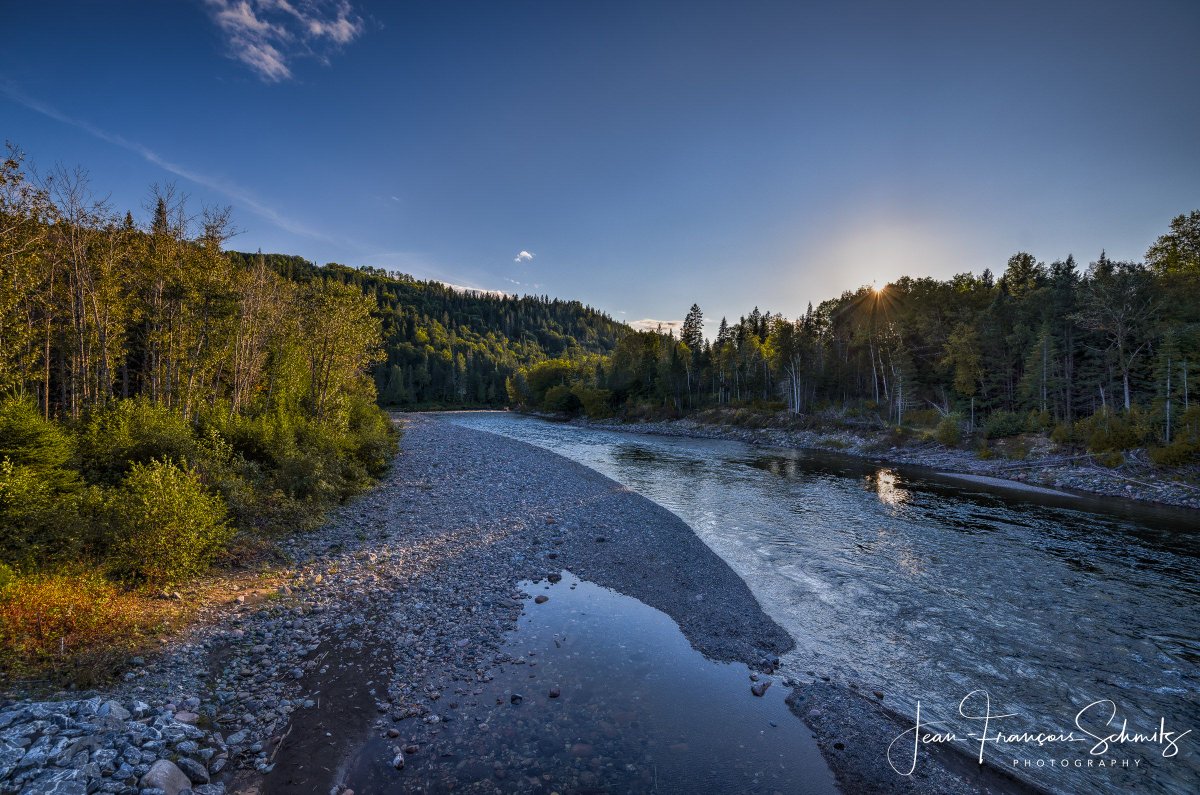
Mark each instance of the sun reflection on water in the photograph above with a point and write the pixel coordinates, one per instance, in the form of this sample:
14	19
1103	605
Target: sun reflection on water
888	489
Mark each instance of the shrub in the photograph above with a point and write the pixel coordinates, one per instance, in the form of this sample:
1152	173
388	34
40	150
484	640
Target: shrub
1002	424
166	525
41	447
1107	431
27	508
949	431
1176	454
1063	433
596	403
1111	459
923	417
373	436
128	432
76	626
561	398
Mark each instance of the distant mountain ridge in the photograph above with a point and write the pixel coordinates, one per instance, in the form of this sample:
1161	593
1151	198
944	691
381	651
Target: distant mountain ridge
452	346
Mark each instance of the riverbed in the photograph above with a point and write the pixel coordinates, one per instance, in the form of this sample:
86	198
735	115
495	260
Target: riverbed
929	590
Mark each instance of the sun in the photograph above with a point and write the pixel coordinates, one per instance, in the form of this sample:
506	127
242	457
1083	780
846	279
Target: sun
878	288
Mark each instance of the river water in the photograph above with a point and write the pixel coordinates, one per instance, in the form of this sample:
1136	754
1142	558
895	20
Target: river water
931	590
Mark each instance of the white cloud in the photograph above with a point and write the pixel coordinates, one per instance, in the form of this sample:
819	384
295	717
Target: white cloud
458	288
523	256
649	324
267	34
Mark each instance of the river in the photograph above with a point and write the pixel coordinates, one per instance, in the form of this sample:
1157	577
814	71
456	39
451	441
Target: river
930	590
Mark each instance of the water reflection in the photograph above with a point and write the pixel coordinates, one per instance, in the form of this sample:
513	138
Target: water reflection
929	589
602	694
887	488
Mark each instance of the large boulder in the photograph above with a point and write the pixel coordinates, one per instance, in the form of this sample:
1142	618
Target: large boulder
164	775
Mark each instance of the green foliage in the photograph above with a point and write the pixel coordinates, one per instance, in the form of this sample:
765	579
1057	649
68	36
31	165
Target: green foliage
1111	459
1063	433
923	418
27	511
114	437
1107	431
446	346
373	437
42	448
1002	424
949	431
596	403
1179	453
166	525
561	398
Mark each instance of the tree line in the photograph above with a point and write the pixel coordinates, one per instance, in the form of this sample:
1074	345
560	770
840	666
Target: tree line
445	346
1105	355
157	394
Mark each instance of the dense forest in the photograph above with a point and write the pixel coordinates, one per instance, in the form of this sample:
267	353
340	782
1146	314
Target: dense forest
446	346
1104	356
160	401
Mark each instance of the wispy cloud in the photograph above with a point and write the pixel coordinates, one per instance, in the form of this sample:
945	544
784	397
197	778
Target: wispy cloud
235	193
649	324
523	256
458	288
266	35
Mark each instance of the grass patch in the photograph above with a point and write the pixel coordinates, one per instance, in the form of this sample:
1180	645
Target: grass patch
75	627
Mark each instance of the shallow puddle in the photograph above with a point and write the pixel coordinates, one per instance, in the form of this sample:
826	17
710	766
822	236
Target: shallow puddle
636	709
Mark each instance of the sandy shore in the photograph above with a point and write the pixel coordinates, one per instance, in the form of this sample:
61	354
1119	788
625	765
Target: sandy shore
389	615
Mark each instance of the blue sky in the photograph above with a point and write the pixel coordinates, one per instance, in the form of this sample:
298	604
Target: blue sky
647	155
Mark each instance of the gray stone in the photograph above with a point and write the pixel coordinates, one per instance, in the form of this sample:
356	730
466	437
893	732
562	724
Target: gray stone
57	782
195	771
10	757
166	776
114	709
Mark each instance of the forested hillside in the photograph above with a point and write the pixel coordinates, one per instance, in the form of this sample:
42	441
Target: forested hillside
1104	355
444	346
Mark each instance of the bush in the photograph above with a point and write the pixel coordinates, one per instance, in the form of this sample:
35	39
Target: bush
561	398
1179	453
1002	424
373	437
27	511
127	432
43	448
949	431
596	403
1107	431
1063	433
76	626
923	418
1111	459
166	526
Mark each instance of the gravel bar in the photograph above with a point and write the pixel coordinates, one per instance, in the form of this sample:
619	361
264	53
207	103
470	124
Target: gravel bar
392	612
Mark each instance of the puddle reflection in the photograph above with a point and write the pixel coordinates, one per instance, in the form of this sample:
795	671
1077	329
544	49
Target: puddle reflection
605	694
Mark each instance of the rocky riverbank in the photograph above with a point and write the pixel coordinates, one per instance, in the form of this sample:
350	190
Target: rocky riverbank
391	616
1041	466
